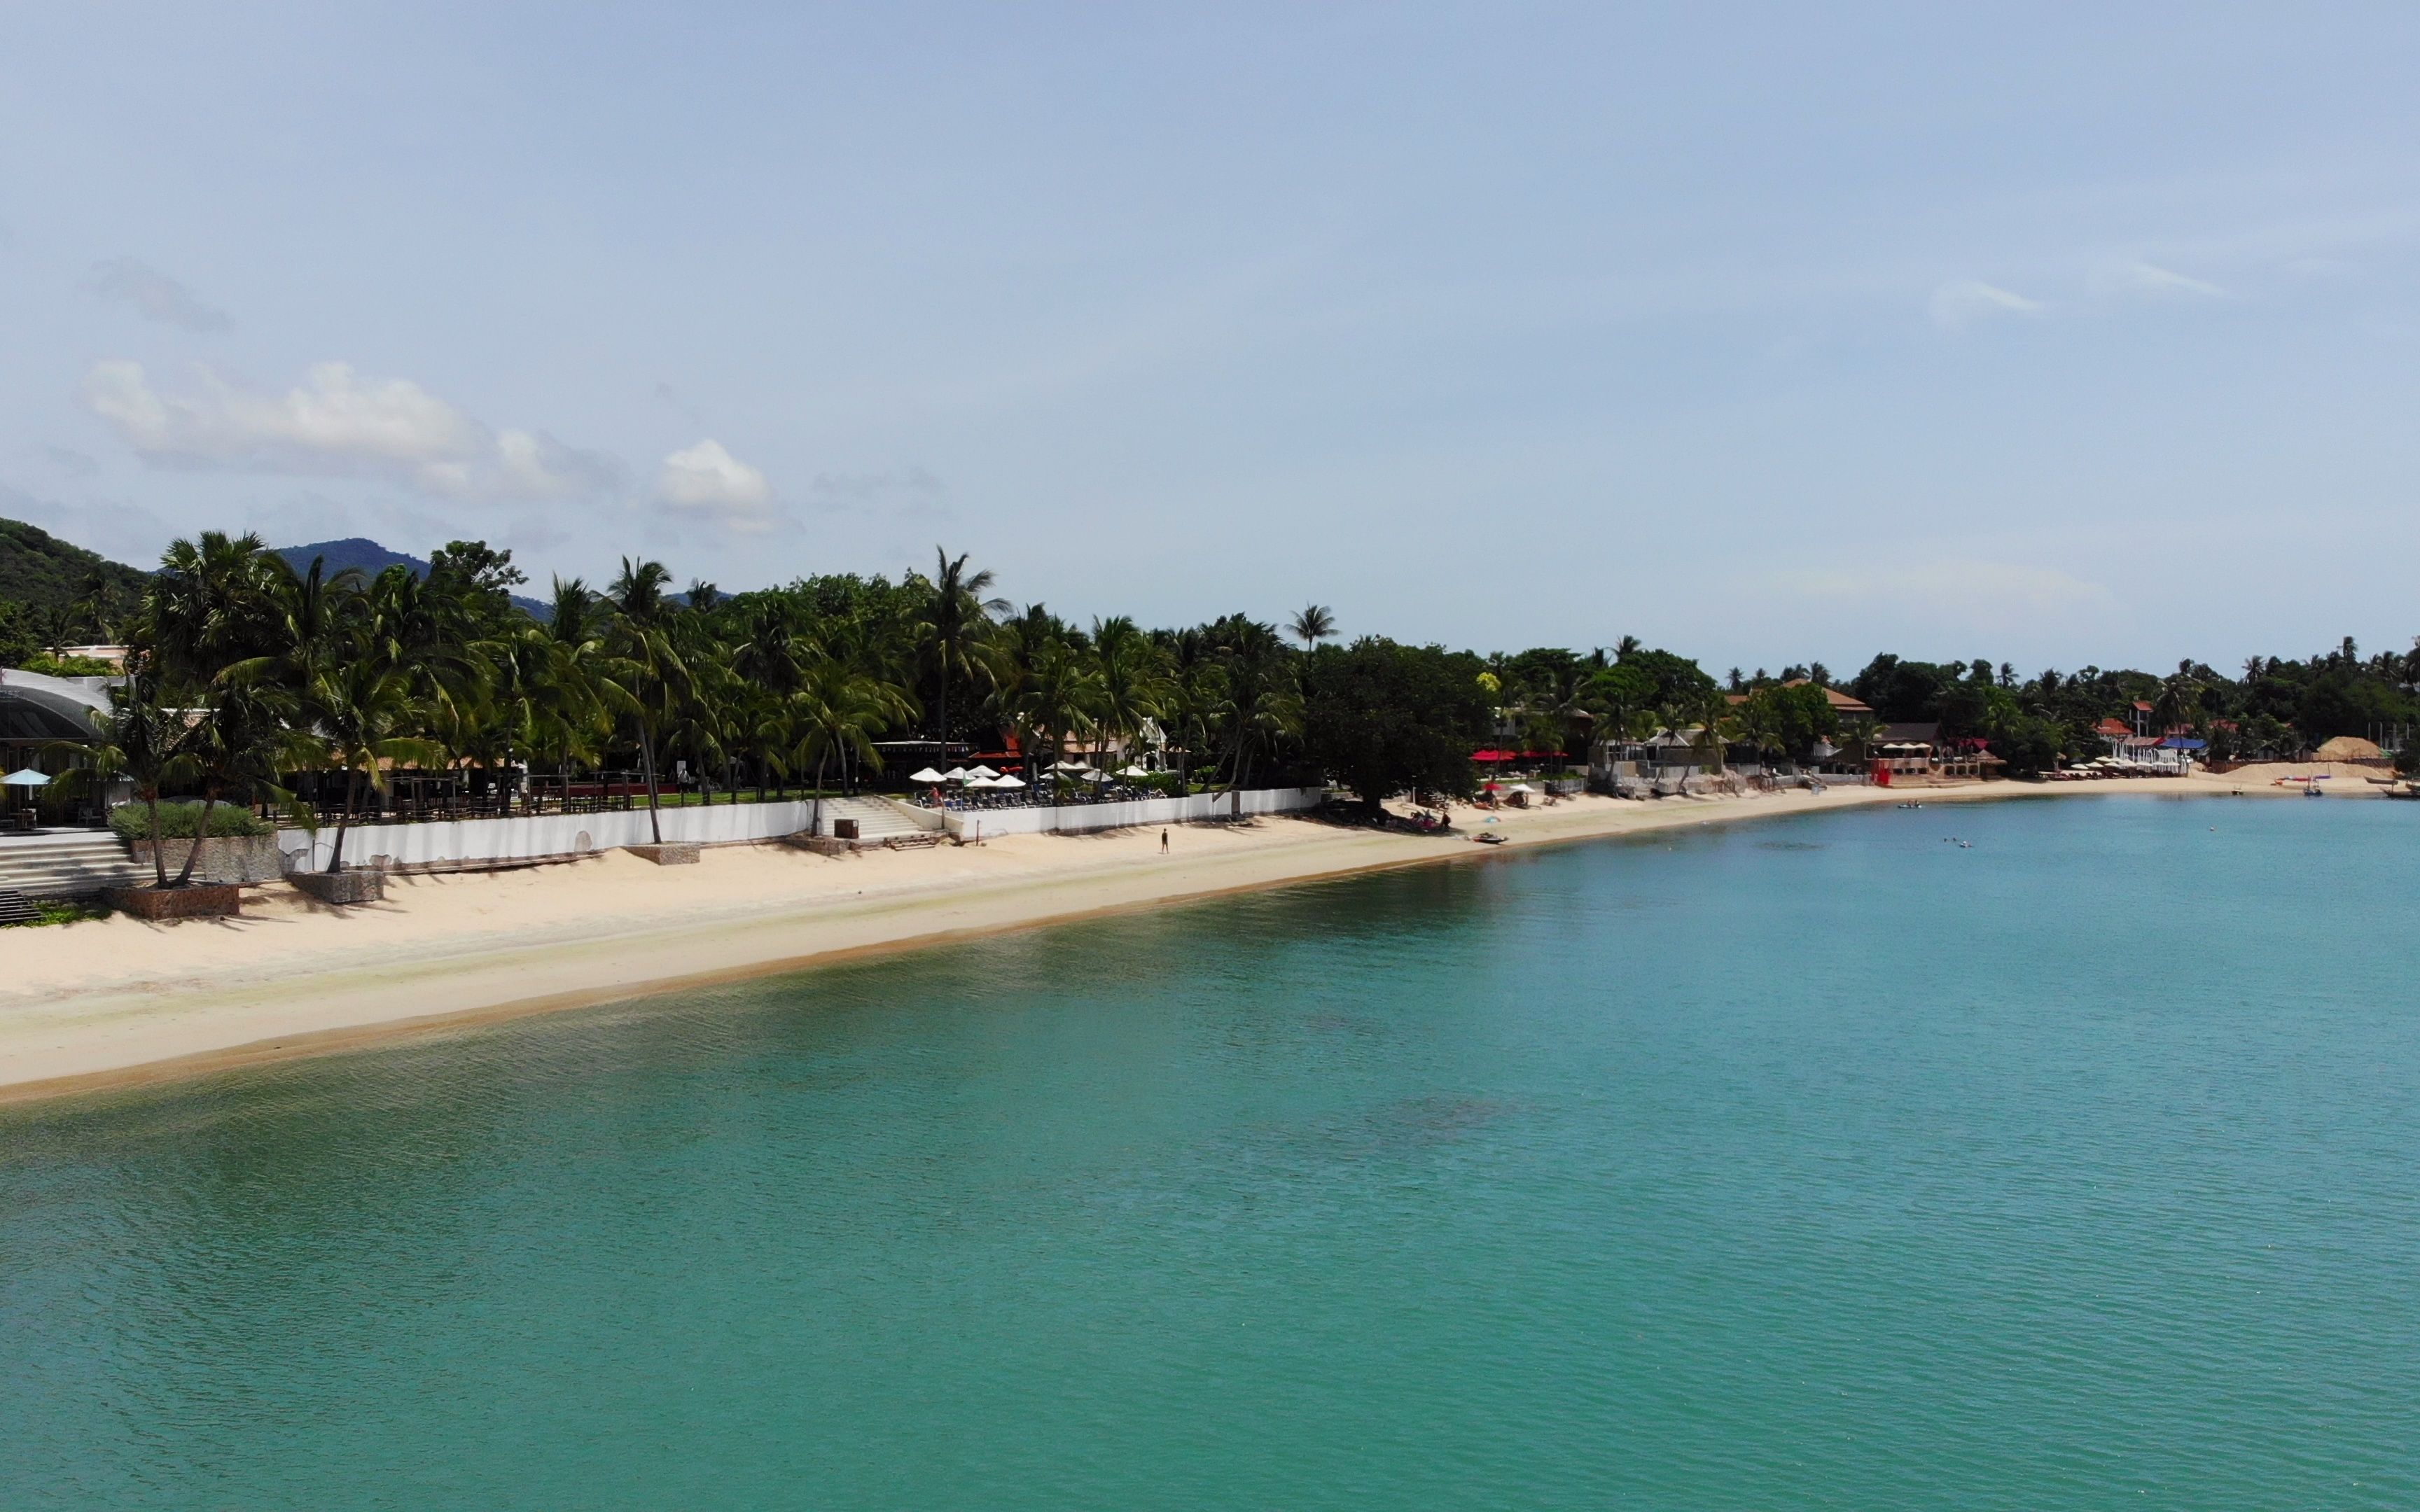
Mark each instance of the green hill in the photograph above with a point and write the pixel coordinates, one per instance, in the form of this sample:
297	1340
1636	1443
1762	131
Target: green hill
42	572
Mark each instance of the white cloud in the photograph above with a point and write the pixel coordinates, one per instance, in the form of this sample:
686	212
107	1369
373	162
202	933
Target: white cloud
2149	279
707	480
337	423
1961	301
154	295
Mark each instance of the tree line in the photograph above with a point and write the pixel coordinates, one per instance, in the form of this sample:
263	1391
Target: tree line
251	678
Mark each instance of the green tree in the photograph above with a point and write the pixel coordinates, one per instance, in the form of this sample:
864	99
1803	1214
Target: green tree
1313	624
647	665
1380	719
952	625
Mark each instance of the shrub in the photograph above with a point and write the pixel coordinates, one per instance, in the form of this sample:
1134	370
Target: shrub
177	821
50	666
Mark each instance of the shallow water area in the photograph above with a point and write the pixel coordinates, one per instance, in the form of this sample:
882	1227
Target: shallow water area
1825	1162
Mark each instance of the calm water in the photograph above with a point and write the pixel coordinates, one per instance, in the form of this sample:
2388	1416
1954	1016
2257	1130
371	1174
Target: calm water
1811	1163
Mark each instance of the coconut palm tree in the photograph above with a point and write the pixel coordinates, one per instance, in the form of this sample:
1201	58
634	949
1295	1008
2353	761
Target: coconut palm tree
1313	624
1134	681
952	627
210	606
837	711
646	663
142	742
239	744
1062	699
365	714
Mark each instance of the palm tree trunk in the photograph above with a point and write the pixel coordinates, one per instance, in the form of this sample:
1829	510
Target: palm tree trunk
201	833
818	828
647	761
159	862
345	818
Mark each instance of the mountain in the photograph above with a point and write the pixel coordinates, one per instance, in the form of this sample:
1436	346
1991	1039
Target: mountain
372	559
41	571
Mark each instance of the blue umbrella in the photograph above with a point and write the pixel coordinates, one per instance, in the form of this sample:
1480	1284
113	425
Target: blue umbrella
26	778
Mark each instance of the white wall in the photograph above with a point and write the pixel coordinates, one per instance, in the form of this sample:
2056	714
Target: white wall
536	837
1075	818
540	836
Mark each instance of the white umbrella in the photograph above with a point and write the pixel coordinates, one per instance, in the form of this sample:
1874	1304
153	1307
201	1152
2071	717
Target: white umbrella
25	778
1071	766
981	782
1096	777
982	771
1132	771
1008	782
955	773
927	775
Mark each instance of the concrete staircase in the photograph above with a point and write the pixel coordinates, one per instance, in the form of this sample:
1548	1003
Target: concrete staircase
879	822
68	864
875	819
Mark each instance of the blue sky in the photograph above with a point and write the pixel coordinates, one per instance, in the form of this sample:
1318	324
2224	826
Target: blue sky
1767	333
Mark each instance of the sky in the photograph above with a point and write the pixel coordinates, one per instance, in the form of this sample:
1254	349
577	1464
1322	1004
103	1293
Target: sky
2064	335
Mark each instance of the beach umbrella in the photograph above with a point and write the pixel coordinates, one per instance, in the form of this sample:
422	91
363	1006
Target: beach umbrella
1132	771
979	782
1071	766
955	773
927	775
1096	777
1009	782
25	778
982	771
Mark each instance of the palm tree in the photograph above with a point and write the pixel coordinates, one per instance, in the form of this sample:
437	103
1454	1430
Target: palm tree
2179	699
952	626
1134	681
652	673
1061	698
210	604
1858	733
1313	624
365	714
838	711
1013	662
1716	724
239	744
141	741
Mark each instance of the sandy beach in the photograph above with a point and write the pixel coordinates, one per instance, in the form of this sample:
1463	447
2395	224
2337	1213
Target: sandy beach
119	1002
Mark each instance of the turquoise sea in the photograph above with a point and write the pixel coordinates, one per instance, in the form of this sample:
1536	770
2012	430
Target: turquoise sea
1820	1163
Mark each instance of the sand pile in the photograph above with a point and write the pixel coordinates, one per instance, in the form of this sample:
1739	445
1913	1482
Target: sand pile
2340	776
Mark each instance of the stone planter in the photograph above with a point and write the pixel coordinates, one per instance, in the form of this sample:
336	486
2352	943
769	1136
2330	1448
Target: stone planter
225	857
671	853
201	901
341	889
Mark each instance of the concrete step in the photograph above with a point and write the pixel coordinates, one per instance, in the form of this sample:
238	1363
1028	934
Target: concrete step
876	819
67	866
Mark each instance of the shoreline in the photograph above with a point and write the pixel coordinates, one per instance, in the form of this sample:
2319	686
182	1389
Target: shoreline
167	1003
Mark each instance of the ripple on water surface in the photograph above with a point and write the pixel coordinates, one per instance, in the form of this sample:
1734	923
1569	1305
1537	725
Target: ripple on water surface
1817	1163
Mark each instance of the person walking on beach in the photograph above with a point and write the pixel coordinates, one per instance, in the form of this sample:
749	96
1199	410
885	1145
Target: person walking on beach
1163	842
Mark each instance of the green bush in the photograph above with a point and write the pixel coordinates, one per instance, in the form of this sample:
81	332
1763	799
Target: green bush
50	666
177	821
